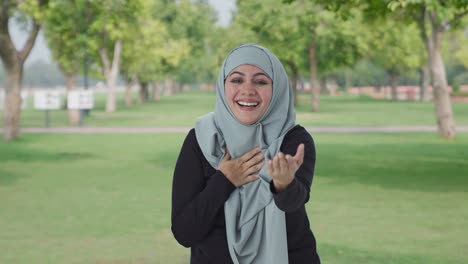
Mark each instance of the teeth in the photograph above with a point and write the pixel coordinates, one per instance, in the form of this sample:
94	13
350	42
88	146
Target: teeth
247	104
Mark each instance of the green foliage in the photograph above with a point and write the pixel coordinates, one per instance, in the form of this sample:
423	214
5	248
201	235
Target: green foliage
395	46
461	50
65	31
456	62
289	29
77	29
195	23
273	24
341	43
149	47
461	79
33	9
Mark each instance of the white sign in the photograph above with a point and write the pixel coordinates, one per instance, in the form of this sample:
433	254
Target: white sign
81	99
24	99
46	100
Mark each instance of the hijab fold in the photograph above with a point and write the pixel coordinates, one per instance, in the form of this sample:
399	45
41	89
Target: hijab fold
255	227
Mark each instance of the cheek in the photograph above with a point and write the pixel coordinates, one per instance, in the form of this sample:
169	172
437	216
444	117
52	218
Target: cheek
229	92
266	96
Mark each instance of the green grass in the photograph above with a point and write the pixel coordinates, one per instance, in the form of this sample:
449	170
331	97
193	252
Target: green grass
348	110
376	198
182	110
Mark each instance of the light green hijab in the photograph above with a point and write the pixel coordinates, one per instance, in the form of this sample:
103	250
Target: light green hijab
255	227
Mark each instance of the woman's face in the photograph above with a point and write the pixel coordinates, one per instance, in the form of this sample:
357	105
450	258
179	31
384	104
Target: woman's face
248	92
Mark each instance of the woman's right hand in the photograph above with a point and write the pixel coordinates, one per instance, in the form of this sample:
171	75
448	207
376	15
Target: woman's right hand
243	169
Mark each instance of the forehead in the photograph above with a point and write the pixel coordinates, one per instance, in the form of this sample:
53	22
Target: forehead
248	69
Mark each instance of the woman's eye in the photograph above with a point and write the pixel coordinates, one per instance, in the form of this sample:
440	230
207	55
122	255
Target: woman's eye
236	81
261	82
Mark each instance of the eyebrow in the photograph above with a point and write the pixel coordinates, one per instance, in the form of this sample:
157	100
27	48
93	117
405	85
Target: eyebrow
256	74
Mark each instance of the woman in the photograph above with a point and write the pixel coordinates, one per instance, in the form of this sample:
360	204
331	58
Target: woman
244	172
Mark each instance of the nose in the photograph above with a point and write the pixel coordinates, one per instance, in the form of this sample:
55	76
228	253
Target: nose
248	88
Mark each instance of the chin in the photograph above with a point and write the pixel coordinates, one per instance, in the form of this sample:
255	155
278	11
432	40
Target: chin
248	121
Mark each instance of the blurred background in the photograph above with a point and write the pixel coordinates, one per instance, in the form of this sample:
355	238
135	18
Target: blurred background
382	86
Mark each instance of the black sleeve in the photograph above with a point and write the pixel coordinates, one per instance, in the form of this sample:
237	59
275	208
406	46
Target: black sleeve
297	192
196	198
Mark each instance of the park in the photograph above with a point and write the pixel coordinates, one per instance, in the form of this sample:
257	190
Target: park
93	184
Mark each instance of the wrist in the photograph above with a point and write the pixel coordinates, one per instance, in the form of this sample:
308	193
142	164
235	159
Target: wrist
280	186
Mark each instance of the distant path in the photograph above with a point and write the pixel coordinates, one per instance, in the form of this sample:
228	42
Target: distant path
165	130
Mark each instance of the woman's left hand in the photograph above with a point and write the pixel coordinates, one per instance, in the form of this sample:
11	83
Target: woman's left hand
282	168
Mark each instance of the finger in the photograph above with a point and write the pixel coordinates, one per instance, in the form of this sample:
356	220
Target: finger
299	157
258	158
254	161
255	169
282	162
251	178
276	163
249	155
291	161
270	167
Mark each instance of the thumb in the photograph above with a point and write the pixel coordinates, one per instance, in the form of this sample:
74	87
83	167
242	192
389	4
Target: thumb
299	157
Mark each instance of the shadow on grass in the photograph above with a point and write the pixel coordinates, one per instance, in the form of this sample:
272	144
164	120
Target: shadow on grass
21	150
339	254
421	167
8	177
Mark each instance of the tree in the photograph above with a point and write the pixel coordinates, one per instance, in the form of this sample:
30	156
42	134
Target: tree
441	16
31	12
109	24
394	47
434	18
192	22
303	29
65	31
161	50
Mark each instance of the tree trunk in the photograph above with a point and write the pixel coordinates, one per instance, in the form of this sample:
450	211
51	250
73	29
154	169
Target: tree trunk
177	87
348	81
294	78
12	107
144	93
315	87
294	88
128	90
70	84
394	84
111	71
156	92
13	61
168	87
424	81
323	86
443	105
128	94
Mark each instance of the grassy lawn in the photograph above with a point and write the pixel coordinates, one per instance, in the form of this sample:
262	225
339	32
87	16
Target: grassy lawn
376	198
181	111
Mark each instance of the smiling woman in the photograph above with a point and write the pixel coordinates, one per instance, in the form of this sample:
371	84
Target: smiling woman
245	171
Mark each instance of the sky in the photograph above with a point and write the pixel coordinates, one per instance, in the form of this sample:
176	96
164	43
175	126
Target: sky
41	52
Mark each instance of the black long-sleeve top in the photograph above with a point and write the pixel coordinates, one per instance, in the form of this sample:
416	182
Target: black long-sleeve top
199	193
